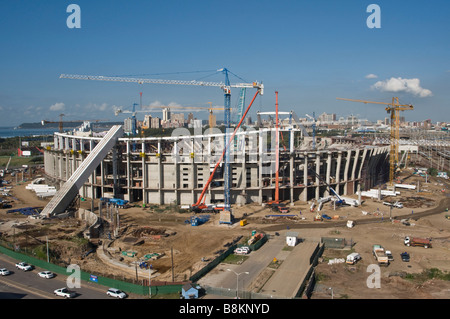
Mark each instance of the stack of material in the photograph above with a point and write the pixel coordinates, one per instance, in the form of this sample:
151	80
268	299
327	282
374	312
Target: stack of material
373	193
41	190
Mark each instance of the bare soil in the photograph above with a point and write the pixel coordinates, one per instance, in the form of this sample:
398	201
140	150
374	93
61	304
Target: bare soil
183	247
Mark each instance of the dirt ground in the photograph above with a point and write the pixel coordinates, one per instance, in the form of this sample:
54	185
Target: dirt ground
187	248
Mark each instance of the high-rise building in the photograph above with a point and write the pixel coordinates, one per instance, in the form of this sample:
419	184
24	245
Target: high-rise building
155	122
166	115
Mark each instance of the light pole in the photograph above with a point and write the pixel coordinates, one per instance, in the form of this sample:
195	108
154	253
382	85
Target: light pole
332	295
237	280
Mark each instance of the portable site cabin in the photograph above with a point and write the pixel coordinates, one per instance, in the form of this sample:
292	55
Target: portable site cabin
291	238
190	291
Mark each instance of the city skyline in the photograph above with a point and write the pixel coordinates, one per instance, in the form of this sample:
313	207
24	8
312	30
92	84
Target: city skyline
311	53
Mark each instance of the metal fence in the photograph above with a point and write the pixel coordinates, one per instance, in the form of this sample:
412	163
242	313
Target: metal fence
336	243
143	289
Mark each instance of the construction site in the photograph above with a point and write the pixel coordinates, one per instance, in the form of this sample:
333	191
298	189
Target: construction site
179	206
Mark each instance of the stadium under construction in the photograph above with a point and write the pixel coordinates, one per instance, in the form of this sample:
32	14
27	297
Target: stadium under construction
175	169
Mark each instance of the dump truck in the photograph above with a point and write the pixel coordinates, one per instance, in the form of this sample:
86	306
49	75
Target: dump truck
380	255
415	241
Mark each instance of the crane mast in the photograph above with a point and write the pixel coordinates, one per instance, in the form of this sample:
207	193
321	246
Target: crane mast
393	109
225	86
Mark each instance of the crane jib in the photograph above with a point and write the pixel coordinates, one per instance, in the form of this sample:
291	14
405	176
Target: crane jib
160	81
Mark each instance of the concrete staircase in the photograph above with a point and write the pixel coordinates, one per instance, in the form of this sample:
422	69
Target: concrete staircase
66	194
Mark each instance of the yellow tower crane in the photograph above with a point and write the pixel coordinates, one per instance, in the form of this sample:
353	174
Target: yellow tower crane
393	109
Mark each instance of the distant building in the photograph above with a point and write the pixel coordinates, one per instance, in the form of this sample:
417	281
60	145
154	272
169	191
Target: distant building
166	115
190	118
128	126
198	123
155	122
177	119
147	121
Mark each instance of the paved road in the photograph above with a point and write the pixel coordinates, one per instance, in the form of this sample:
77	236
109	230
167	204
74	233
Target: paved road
443	204
28	285
286	280
258	260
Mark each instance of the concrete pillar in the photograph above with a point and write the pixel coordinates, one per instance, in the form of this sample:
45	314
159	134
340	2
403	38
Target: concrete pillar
260	159
144	175
338	172
318	173
193	172
291	166
327	192
347	165
305	178
129	172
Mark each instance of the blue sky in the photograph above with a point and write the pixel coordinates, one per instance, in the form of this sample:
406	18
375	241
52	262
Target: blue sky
309	51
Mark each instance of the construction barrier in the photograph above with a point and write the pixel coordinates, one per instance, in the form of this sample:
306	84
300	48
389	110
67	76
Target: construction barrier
93	278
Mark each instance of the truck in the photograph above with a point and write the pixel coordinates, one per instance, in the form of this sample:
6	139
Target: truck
353	258
24	266
380	255
396	204
415	241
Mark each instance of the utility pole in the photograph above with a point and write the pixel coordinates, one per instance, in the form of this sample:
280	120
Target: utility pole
48	257
171	252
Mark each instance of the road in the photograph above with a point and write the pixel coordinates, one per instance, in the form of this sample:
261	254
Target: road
28	285
254	265
443	204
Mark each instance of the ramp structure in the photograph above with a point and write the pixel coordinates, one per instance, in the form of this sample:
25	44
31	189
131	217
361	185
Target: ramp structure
65	195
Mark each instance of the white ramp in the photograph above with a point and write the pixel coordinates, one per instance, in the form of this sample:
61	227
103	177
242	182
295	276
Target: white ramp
66	194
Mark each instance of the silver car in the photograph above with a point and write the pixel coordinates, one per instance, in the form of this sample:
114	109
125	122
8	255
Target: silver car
46	274
4	272
113	292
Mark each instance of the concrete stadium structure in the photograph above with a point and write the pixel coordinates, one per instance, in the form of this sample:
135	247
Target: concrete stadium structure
174	170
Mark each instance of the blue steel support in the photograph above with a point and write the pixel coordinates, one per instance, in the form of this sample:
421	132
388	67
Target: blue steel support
227	166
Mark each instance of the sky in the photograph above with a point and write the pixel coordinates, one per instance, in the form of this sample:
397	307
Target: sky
310	52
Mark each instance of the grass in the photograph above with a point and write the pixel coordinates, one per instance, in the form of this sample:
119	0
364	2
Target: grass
428	274
235	259
18	161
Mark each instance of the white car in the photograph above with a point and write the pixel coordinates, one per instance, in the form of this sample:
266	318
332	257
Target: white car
4	272
64	292
24	266
46	274
113	292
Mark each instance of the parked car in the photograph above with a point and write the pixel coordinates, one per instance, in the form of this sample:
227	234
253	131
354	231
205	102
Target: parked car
46	274
405	256
64	292
116	293
4	272
24	266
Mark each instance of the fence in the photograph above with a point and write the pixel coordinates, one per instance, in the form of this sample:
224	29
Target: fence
336	243
100	280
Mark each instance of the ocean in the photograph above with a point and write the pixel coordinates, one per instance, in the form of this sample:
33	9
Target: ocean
12	132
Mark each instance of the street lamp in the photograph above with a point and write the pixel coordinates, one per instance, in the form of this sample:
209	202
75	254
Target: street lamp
237	280
332	295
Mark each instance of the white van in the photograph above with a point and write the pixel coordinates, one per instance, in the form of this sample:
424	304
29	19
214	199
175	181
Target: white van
353	258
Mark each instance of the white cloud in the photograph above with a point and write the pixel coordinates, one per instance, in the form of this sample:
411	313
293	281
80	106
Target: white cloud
157	104
371	76
402	85
97	107
57	107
